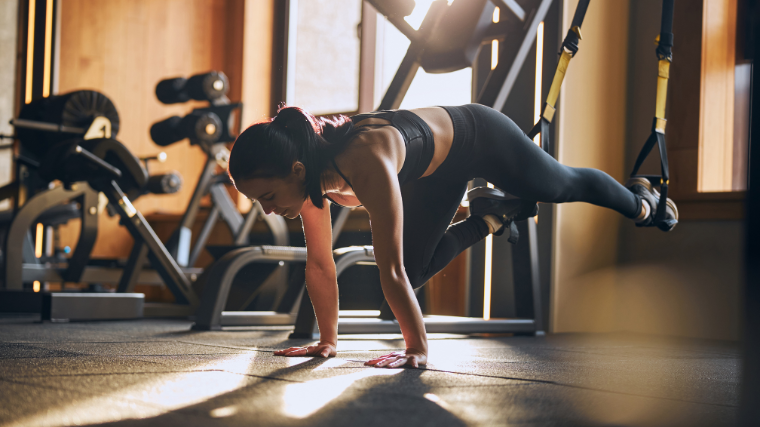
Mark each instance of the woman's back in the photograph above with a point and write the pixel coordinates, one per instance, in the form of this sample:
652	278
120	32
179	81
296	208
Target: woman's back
416	141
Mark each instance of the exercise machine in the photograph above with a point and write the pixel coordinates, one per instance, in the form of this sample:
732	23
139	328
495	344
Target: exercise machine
211	129
84	121
211	314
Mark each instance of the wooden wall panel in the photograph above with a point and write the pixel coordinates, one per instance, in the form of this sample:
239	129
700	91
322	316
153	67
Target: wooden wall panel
123	48
590	133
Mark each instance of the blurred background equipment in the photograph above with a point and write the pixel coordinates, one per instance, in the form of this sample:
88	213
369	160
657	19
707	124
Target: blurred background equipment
69	139
212	86
210	129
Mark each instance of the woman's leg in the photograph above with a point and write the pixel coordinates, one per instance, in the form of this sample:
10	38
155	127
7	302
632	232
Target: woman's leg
489	145
505	156
430	241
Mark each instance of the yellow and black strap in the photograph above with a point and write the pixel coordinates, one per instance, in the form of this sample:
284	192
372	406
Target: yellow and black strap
567	52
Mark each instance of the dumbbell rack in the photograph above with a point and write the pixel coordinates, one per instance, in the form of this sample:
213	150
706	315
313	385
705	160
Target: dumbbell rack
213	184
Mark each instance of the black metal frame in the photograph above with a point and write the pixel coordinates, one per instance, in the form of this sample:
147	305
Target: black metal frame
25	217
211	314
147	245
749	410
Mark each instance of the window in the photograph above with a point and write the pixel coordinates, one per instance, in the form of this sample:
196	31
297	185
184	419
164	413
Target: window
426	89
324	55
342	56
724	103
708	119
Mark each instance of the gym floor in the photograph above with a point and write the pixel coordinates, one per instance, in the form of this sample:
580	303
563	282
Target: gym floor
158	372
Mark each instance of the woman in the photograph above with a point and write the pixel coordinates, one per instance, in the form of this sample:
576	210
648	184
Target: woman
409	168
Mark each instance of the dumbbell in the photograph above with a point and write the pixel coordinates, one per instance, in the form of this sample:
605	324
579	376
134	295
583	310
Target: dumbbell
198	126
166	183
211	86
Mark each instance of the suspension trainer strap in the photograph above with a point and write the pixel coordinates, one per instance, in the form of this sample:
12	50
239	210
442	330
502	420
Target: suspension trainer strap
567	51
665	56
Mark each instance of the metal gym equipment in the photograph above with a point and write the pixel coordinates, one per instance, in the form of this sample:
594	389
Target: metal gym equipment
211	314
211	129
49	129
449	39
208	128
81	165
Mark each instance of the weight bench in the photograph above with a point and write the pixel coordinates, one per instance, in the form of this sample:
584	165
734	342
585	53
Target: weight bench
211	314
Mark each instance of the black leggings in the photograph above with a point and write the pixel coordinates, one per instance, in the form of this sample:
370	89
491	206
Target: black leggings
488	145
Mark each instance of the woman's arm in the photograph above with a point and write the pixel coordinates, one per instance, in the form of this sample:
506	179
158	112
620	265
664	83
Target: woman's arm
321	281
376	186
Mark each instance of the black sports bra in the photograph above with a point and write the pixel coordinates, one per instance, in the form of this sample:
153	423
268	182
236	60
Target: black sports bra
418	139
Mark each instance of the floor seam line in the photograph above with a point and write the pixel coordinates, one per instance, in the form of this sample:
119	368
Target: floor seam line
96	374
115	355
549	382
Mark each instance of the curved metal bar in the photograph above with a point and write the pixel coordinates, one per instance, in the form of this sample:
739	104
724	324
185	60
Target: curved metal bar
306	321
88	234
21	224
223	272
346	257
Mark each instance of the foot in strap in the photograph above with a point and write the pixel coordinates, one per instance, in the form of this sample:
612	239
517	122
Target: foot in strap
485	201
649	195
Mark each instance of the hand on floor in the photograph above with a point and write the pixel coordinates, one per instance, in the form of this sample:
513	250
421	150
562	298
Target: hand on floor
397	359
319	349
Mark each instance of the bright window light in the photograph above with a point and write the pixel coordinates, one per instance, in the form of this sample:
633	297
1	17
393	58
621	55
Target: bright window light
538	99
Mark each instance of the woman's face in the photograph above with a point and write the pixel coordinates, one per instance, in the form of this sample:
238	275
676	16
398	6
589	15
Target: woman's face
283	196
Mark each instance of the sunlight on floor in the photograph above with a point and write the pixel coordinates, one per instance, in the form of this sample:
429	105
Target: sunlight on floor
158	394
450	355
437	400
224	412
302	400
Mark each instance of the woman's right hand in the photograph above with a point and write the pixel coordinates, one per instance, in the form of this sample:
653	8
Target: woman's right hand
321	349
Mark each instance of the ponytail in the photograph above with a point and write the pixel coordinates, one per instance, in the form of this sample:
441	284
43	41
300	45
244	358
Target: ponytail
269	149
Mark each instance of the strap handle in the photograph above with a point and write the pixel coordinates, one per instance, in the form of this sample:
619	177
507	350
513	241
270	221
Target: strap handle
664	54
664	45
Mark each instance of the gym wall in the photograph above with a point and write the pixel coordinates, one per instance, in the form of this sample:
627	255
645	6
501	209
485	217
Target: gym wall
683	283
591	133
123	48
8	45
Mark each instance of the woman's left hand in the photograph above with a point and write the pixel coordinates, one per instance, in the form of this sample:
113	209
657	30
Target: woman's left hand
397	359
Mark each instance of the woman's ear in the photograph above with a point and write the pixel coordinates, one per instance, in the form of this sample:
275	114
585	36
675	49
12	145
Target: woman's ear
299	170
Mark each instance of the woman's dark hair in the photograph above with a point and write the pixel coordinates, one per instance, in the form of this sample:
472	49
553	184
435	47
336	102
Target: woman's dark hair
269	149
